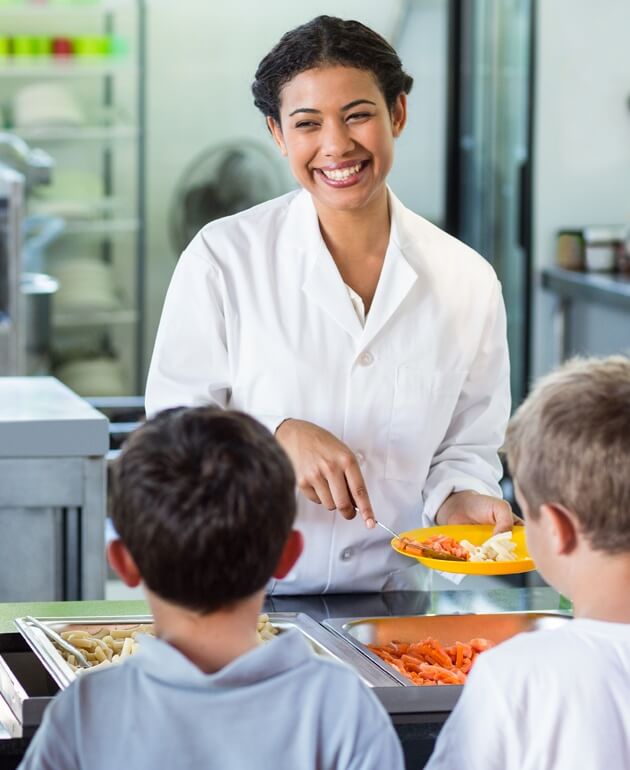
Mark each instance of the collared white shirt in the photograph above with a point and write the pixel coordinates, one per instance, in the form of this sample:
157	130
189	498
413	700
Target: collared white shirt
258	318
357	304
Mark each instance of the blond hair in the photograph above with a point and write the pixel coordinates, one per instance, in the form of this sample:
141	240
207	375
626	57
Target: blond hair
569	443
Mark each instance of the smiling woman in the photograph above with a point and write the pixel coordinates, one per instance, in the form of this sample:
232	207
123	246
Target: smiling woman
372	343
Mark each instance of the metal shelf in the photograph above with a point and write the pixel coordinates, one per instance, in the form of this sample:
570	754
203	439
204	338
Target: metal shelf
43	11
569	286
72	67
102	227
94	318
611	289
78	133
73	210
107	218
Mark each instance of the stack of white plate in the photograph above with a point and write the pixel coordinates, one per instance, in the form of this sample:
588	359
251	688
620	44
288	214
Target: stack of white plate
84	284
94	376
45	105
73	194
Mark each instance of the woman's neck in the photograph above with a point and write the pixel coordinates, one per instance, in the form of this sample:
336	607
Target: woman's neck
209	641
357	240
352	235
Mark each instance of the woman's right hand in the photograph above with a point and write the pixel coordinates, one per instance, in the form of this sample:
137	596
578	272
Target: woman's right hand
327	470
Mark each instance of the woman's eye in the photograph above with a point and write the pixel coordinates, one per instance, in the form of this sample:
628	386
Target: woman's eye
359	116
306	124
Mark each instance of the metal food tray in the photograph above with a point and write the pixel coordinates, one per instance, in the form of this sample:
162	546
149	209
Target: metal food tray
323	642
447	629
49	655
26	688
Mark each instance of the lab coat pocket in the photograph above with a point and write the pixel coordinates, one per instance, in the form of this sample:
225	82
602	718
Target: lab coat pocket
423	406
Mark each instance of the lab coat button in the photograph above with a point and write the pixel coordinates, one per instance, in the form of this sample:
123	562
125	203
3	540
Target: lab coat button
347	554
366	358
360	457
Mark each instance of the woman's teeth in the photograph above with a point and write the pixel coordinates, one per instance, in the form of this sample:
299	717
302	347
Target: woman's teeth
339	174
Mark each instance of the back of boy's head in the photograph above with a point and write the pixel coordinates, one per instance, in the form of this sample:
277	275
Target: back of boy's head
569	444
204	500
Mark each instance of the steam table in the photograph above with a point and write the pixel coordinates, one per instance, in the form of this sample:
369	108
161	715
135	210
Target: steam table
417	732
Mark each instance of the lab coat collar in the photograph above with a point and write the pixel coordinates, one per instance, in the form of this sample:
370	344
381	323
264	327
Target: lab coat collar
324	285
396	279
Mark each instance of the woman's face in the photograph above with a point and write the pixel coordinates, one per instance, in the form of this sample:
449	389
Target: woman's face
338	134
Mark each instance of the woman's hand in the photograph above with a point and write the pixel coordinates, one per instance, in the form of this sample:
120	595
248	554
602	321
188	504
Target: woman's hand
327	470
470	507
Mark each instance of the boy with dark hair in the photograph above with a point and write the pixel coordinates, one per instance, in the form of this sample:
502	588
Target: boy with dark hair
559	699
204	504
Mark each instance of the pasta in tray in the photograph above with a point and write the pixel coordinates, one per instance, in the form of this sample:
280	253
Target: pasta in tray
107	645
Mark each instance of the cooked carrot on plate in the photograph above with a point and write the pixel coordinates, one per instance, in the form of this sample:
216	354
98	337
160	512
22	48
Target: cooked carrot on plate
446	544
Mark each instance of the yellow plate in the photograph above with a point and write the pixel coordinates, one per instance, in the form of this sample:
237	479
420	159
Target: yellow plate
475	534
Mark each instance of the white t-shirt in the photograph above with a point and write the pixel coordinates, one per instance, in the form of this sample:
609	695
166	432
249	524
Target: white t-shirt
545	700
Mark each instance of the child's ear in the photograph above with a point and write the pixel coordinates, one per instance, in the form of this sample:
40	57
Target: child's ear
123	564
290	554
561	527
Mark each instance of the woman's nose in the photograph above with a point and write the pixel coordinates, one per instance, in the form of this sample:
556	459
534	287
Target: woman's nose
336	140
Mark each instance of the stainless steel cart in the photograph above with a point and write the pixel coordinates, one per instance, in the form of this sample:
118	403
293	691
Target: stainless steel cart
52	492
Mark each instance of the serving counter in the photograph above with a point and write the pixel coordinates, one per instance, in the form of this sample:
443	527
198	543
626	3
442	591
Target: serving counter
52	492
416	727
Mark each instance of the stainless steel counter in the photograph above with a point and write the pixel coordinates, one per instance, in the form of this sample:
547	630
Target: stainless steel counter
52	492
417	729
420	602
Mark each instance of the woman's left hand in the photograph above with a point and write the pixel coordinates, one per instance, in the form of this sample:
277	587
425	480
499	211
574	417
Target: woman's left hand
470	507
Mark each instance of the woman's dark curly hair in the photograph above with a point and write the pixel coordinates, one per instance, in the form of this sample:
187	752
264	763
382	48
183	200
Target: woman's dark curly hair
323	41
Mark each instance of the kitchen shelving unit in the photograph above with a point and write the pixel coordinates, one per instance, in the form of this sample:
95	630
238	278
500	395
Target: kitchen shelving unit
106	147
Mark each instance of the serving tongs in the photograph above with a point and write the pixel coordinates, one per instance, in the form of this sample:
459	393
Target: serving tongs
59	640
420	549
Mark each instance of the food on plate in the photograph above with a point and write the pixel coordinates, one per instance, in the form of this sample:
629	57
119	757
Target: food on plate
107	645
430	663
425	549
499	547
447	545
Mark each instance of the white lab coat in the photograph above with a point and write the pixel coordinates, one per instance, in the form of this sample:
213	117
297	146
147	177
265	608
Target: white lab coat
257	318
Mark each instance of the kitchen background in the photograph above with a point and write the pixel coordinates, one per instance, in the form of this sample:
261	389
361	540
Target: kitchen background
131	124
127	124
519	129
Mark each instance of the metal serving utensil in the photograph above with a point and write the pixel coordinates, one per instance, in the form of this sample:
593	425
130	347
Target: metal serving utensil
59	640
427	551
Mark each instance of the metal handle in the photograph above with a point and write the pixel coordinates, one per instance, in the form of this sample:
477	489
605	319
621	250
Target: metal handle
58	639
387	529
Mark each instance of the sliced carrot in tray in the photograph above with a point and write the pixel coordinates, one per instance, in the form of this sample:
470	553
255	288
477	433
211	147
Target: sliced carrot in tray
427	662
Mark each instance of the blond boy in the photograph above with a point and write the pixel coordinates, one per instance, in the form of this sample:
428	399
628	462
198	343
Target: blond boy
560	699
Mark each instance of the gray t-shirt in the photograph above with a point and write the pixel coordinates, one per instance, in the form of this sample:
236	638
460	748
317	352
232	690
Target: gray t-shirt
279	706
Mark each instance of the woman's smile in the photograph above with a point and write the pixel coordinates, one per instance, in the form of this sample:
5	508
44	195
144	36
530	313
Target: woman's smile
343	174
